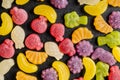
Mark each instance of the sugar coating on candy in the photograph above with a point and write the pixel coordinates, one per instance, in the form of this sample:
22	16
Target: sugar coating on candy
79	78
19	16
84	48
75	64
7	3
114	19
33	42
59	3
67	47
57	30
39	25
49	74
104	56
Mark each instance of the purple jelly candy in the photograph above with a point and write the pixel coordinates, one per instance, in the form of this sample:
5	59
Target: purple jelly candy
84	48
75	64
104	56
49	74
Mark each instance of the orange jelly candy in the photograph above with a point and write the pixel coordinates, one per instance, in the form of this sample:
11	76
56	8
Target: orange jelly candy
114	3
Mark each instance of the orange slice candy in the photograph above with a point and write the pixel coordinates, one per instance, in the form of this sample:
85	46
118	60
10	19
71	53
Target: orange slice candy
114	3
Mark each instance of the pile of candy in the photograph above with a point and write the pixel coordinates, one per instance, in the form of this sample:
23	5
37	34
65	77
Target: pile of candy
96	62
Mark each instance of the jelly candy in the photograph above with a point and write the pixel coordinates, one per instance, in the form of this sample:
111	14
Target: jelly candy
36	57
7	3
52	49
39	25
57	30
90	68
47	11
49	74
18	36
72	20
79	78
33	42
80	34
60	4
114	3
112	39
19	16
67	47
7	24
24	65
101	25
84	48
102	70
104	56
6	49
62	69
89	2
97	9
20	75
21	2
116	53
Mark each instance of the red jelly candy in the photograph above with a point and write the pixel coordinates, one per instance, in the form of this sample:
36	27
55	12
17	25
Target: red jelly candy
67	47
19	16
39	25
6	49
114	73
79	78
57	30
33	42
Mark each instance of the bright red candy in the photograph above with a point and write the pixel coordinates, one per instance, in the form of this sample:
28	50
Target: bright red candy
39	25
57	30
6	49
79	78
33	42
67	47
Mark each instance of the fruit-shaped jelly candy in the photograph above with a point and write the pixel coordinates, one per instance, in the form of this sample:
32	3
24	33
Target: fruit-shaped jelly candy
57	30
79	78
24	65
39	25
90	68
6	49
20	75
101	25
21	2
18	36
19	16
52	50
67	47
102	70
62	69
7	3
33	42
7	24
36	57
114	3
114	73
72	20
80	34
116	53
89	2
97	9
47	11
112	39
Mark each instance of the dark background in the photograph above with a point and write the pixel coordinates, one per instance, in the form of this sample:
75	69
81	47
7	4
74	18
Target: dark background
73	6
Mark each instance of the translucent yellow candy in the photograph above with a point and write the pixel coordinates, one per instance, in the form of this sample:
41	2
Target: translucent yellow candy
21	2
7	24
7	3
97	9
47	11
90	68
24	65
62	69
89	2
116	53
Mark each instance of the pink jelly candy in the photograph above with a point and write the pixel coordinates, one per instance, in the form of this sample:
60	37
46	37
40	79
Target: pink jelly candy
6	49
33	42
57	30
67	47
79	78
19	16
39	25
114	73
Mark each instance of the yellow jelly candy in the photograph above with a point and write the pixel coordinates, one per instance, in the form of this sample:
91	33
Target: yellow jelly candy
80	34
116	53
22	76
21	2
114	3
36	57
89	2
47	11
97	9
90	68
7	24
101	25
24	65
62	69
